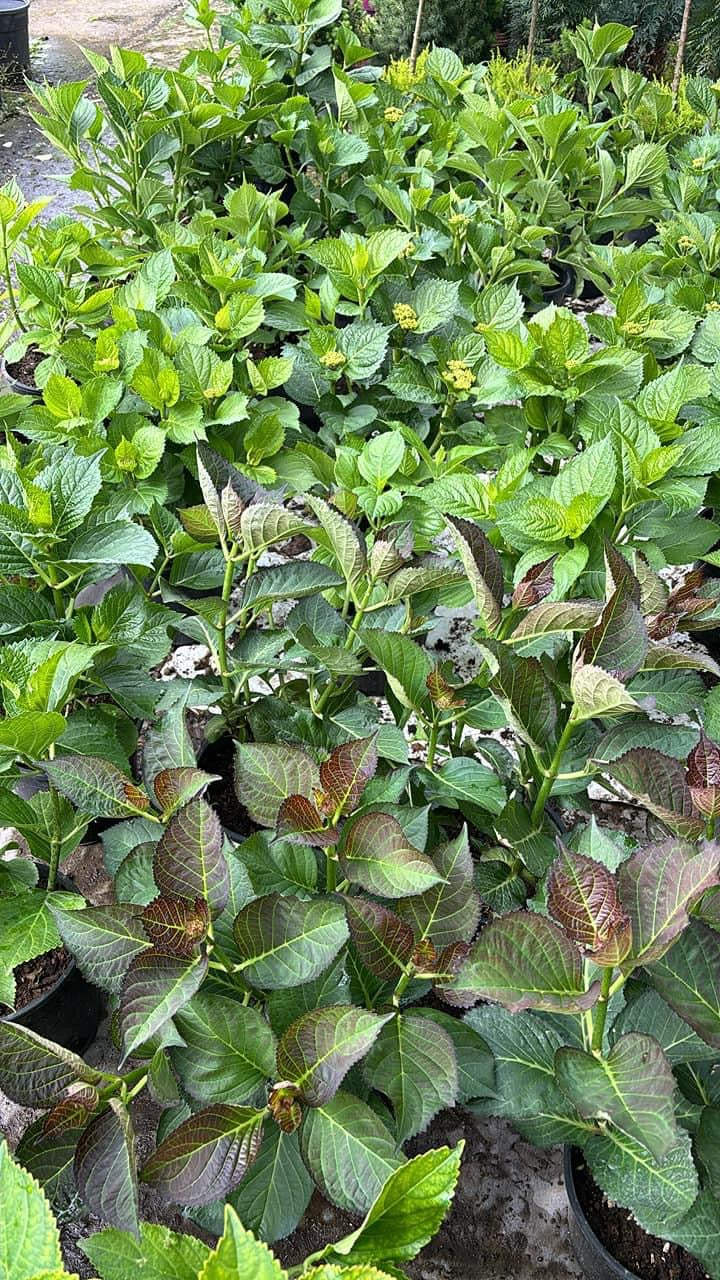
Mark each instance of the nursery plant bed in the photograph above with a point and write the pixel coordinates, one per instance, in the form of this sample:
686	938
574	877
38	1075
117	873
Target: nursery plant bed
607	1240
54	999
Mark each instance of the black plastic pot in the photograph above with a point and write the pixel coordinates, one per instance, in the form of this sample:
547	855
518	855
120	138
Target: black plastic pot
69	1013
564	290
219	757
595	1261
639	235
14	36
21	388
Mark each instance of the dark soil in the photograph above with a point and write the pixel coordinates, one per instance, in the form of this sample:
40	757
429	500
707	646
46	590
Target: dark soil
35	977
648	1257
295	546
24	369
218	758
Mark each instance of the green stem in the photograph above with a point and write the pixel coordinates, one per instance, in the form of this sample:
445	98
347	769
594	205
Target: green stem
399	991
432	743
330	873
223	622
548	781
710	828
601	1009
55	841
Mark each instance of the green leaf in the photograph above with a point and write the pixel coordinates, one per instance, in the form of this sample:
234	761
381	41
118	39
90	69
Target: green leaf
288	582
435	303
96	787
342	538
115	544
475	1062
155	987
284	941
686	977
405	663
633	1087
650	1014
407	1212
318	1050
555	618
597	693
524	961
449	911
159	1254
376	854
659	1193
364	343
34	1071
238	1253
31	732
462	781
207	1155
348	1150
28	929
483	568
658	887
645	163
73	482
229	1049
189	861
276	1189
29	1240
413	1063
521	686
105	1170
699	1231
103	941
266	774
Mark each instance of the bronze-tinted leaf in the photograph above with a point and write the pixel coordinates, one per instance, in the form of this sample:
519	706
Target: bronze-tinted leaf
483	568
156	986
619	574
384	942
583	899
176	787
318	1050
703	777
34	1071
189	860
618	642
658	887
537	583
96	786
346	773
206	1157
524	961
73	1111
659	782
267	773
299	818
105	1170
176	926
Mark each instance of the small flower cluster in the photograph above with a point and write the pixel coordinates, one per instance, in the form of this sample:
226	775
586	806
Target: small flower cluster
333	360
685	244
633	328
459	221
712	305
408	251
393	114
406	316
458	375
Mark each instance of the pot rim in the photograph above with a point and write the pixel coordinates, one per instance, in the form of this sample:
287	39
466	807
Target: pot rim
64	882
23	388
616	1268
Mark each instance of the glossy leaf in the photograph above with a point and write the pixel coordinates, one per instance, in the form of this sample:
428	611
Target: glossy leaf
175	926
687	978
276	1189
406	665
266	774
348	1150
346	773
103	941
525	693
659	1193
376	854
105	1167
176	787
384	942
36	1072
658	887
207	1155
633	1087
483	567
156	986
658	781
238	1253
96	787
407	1212
229	1049
341	537
413	1063
524	961
318	1050
618	642
284	941
189	861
